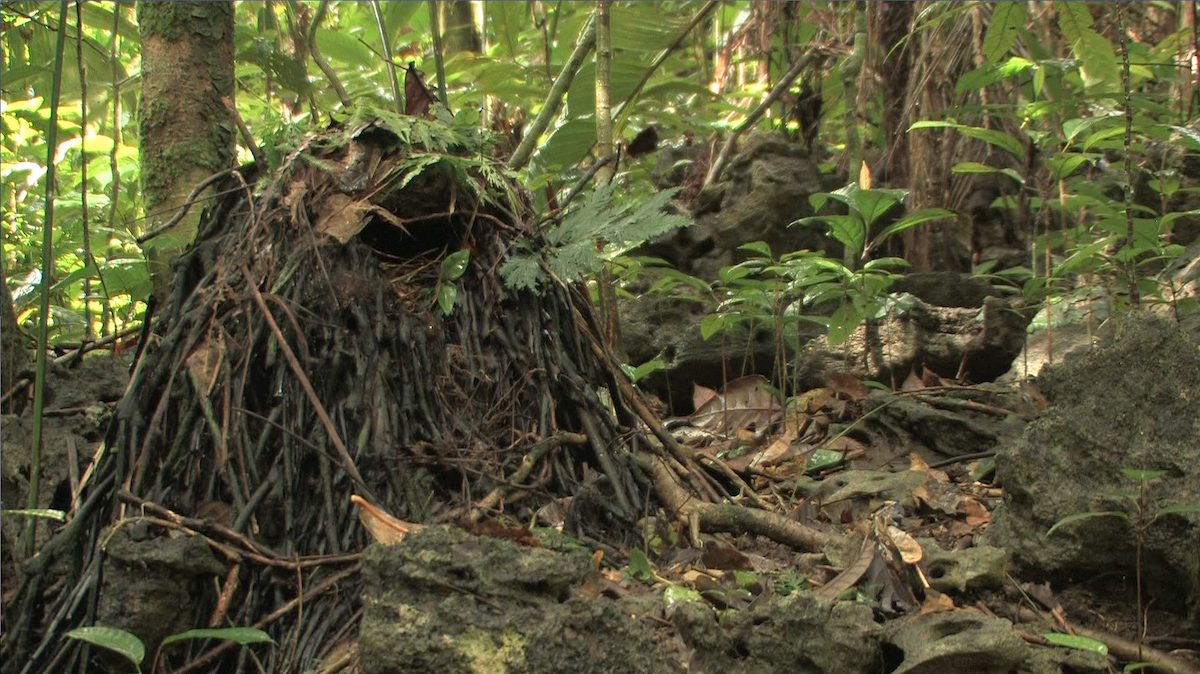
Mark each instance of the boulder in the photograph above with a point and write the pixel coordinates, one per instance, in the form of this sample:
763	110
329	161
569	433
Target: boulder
1133	403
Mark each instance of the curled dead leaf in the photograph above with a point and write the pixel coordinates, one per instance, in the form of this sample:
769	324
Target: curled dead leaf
383	528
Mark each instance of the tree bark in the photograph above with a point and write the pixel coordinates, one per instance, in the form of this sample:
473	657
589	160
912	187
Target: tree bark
186	130
14	357
459	22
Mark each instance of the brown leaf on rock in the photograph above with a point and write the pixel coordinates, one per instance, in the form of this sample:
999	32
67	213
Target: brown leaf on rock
936	602
813	400
721	555
912	382
845	384
383	527
915	462
1035	395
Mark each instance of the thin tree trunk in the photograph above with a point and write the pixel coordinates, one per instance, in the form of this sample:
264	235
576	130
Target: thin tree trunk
187	130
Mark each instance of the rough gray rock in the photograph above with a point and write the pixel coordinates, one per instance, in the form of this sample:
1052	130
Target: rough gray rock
797	634
970	641
959	572
445	601
1132	403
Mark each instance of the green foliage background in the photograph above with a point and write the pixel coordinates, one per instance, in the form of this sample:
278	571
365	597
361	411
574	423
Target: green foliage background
1053	79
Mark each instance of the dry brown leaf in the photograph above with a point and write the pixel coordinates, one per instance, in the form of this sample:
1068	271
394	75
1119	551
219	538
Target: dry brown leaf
846	579
701	395
912	383
936	602
342	217
744	402
932	378
721	555
813	400
846	445
923	497
910	549
974	512
775	452
915	462
204	361
383	527
417	97
1035	395
845	384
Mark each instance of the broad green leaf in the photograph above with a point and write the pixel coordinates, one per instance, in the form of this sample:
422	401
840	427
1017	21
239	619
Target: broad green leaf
240	635
848	230
100	17
1187	137
844	321
1078	517
972	167
1098	61
884	263
627	70
639	565
760	247
1170	46
398	16
455	264
1142	475
507	19
1008	17
346	48
873	204
116	640
977	167
1064	164
568	144
1177	510
711	325
823	459
990	136
1083	259
675	594
447	296
1074	19
1072	128
1077	642
646	368
644	27
912	220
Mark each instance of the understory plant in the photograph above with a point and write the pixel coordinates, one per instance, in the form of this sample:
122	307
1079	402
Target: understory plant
1142	511
127	645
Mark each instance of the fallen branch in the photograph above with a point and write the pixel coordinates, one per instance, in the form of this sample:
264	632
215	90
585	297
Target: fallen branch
728	517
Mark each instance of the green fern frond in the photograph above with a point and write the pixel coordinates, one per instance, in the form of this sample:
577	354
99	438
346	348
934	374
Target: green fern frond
573	254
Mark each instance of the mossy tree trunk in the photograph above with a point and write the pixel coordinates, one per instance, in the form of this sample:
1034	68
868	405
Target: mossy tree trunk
187	129
459	20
